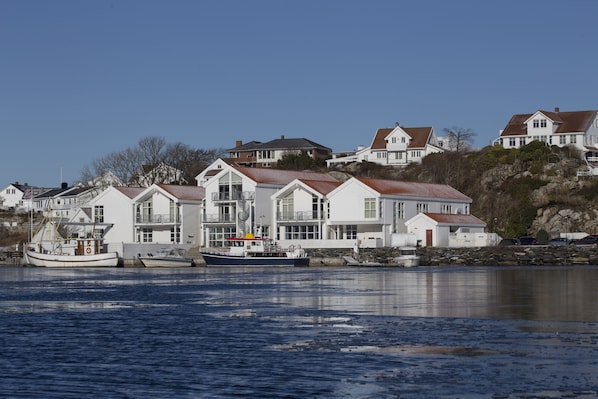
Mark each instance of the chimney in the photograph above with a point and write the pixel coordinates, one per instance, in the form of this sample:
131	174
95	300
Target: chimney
238	143
64	185
282	136
557	109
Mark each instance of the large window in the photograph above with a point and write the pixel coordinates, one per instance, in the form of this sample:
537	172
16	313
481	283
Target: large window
446	208
369	208
287	207
398	214
311	232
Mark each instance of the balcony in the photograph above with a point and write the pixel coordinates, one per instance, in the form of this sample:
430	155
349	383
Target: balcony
297	216
157	219
235	196
227	218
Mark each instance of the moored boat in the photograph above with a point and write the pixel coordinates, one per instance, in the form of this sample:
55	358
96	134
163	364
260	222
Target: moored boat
175	257
86	253
407	257
256	251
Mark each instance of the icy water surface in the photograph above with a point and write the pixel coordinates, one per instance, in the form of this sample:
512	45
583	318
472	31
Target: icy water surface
299	333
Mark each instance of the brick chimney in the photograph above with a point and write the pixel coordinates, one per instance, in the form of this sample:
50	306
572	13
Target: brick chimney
238	143
557	109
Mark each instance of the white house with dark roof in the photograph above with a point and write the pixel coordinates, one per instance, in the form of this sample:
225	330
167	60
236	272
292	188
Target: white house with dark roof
260	154
397	146
12	196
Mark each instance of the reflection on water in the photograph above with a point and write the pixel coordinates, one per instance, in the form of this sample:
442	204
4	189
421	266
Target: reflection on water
299	332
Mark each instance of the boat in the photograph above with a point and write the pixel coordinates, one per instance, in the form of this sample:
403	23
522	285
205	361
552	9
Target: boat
47	248
175	257
407	257
256	251
84	253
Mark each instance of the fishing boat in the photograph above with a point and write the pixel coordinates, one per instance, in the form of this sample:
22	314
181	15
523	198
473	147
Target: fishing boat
407	257
47	248
81	253
175	257
256	251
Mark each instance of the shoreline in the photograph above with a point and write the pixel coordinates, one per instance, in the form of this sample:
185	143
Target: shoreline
534	255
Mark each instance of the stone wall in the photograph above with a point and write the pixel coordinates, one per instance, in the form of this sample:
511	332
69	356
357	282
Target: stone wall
483	256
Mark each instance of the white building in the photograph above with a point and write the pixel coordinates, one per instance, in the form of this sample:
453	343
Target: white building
168	214
397	146
576	128
447	230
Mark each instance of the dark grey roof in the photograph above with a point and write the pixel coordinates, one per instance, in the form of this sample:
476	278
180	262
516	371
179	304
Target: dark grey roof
281	144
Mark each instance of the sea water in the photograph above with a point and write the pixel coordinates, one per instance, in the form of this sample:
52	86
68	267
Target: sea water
428	332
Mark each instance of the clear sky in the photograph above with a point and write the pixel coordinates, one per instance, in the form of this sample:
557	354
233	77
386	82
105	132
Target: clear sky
82	79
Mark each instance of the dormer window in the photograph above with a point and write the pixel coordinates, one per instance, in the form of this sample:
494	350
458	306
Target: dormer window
539	123
542	122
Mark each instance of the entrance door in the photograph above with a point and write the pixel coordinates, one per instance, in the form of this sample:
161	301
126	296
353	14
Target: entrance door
428	238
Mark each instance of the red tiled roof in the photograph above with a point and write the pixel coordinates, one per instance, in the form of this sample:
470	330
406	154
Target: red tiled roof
279	176
189	193
419	137
451	218
130	192
413	189
568	122
322	187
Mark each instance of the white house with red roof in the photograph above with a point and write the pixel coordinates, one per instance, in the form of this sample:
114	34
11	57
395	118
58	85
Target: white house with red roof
397	146
300	210
573	128
447	230
168	214
371	211
238	199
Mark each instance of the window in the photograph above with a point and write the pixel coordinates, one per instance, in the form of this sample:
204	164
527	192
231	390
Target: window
416	154
422	207
398	214
542	122
98	213
175	235
287	207
299	232
536	123
563	140
446	208
351	230
512	142
369	206
573	139
522	141
147	234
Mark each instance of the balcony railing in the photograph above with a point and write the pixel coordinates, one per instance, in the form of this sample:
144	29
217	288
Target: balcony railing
296	216
218	218
235	196
157	219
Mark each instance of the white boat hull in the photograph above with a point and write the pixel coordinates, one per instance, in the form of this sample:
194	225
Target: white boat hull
165	261
32	258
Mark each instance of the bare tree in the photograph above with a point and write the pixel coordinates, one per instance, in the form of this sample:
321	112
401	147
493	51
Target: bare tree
153	161
460	139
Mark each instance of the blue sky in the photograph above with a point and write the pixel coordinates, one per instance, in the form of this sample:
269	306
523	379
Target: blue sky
82	79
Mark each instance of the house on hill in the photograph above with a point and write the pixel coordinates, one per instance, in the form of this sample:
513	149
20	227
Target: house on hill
257	154
398	146
578	129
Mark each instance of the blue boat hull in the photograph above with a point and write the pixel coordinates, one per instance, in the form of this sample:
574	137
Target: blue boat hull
224	260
